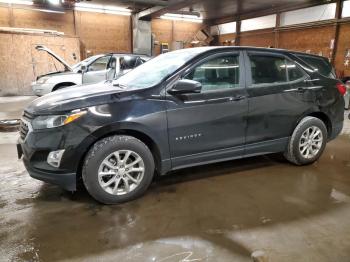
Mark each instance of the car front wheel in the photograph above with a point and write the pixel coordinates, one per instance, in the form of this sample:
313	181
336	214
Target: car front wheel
118	169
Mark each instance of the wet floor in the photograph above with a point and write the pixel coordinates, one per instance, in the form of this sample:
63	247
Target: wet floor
221	212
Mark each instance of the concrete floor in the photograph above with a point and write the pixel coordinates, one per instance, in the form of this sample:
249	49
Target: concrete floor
221	212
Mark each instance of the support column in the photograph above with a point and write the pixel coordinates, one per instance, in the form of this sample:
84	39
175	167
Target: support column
336	30
277	32
238	33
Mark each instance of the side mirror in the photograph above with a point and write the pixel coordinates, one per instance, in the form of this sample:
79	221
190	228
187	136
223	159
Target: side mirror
83	68
185	86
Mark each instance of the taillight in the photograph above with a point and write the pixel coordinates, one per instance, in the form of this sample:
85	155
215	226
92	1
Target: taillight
341	88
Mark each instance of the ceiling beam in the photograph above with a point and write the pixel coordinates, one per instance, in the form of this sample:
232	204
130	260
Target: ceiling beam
172	6
263	12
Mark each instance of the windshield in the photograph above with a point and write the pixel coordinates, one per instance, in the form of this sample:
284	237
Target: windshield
156	69
86	61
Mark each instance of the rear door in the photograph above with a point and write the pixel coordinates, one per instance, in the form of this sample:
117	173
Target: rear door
278	96
211	124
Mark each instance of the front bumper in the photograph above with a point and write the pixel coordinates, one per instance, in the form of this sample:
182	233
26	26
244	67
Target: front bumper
66	181
42	89
37	145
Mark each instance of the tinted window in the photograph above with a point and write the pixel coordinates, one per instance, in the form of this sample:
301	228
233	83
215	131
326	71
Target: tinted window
128	62
268	69
99	64
294	73
218	73
320	64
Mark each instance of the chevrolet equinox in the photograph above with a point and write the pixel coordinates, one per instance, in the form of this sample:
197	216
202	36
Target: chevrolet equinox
181	109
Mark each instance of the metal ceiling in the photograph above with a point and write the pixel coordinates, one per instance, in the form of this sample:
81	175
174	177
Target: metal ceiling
211	9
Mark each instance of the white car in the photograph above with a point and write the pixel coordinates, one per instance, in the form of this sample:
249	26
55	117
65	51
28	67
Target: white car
91	70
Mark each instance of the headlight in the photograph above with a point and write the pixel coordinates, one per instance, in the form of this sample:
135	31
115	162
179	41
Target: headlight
42	80
42	122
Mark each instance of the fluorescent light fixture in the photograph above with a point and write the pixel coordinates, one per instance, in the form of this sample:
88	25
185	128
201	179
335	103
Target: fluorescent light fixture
54	2
49	11
180	17
17	2
107	9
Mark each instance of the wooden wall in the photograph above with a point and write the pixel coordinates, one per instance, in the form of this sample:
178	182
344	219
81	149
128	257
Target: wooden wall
260	38
84	35
20	64
103	33
167	31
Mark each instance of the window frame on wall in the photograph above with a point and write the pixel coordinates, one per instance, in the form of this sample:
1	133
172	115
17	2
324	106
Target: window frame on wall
249	76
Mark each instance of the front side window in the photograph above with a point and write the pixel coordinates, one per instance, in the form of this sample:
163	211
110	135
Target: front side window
217	73
99	64
268	69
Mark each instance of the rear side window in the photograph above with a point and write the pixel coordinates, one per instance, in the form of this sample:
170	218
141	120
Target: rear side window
294	73
273	70
268	69
127	62
320	64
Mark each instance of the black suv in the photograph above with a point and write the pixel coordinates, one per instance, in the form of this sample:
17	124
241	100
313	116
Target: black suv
184	108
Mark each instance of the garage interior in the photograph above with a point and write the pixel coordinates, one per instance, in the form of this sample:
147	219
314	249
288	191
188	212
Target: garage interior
255	209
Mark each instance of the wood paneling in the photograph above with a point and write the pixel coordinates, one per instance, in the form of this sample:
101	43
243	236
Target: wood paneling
317	40
21	63
27	18
167	31
223	39
102	33
260	38
343	45
4	16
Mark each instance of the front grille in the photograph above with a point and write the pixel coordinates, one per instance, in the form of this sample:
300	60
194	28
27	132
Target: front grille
23	130
24	125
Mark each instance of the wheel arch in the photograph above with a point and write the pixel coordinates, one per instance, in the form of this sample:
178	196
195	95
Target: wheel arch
323	117
58	85
142	136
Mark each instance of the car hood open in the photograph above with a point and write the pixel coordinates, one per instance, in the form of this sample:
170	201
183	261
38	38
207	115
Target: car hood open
76	97
57	57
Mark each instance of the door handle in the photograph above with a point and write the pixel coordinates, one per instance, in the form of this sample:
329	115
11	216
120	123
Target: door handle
237	98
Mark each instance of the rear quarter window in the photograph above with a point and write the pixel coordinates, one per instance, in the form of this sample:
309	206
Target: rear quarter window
320	64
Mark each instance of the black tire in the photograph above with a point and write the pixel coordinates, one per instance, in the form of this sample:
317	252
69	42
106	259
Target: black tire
293	153
100	151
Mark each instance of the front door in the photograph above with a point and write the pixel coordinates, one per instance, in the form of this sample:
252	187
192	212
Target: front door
205	126
97	71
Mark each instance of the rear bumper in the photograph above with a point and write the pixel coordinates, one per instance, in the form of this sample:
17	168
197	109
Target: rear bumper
64	180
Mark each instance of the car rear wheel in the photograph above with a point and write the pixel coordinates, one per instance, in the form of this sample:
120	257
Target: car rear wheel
118	169
307	141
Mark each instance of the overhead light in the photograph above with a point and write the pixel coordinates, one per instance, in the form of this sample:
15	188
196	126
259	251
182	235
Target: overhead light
182	17
107	9
17	2
49	11
54	2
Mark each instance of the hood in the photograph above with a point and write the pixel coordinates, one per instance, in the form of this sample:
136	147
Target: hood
75	97
58	73
58	58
